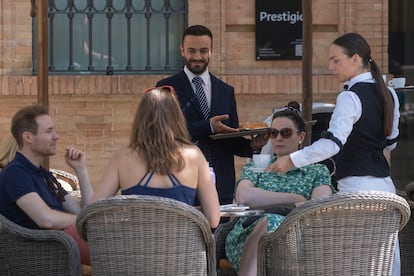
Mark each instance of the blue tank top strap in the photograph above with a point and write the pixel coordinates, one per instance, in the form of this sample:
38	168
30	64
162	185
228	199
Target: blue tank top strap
142	179
139	182
148	180
174	180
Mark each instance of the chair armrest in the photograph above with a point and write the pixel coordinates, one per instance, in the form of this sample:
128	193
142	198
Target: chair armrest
220	235
37	252
409	190
279	208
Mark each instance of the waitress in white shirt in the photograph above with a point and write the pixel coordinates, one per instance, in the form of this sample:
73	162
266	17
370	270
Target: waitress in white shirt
363	129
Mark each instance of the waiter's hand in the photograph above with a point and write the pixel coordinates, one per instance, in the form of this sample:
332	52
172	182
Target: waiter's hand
218	126
259	141
281	165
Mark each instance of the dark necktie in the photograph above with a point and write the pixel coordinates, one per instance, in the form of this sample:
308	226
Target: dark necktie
201	96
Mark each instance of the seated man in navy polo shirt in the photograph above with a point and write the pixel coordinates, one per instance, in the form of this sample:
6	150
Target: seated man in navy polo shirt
29	194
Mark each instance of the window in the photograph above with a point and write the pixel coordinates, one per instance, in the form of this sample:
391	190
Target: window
401	39
114	36
401	64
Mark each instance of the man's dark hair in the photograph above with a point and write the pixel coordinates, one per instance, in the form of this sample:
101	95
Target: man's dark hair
198	30
25	120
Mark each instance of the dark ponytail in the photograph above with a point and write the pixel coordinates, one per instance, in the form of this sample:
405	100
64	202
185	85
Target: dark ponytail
388	100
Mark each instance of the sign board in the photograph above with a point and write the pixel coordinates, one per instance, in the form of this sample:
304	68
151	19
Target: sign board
279	29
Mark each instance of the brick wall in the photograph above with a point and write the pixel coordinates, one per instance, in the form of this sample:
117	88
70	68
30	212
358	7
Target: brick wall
94	113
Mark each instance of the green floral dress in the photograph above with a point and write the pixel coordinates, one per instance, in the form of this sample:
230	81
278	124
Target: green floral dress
299	181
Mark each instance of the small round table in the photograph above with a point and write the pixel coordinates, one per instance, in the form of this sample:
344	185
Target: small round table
244	213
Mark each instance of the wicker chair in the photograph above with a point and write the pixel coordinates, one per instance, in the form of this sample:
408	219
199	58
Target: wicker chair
147	235
343	234
406	235
26	251
220	234
69	181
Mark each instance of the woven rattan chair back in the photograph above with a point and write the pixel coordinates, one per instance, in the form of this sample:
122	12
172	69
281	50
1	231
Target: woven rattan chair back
220	234
147	235
36	252
343	234
70	182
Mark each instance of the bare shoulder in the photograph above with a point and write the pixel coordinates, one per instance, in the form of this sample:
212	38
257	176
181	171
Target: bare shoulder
192	152
123	152
124	155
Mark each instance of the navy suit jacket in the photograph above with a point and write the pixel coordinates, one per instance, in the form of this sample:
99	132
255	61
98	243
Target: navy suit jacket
219	153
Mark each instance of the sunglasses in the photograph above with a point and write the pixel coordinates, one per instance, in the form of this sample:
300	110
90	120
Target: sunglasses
166	87
285	133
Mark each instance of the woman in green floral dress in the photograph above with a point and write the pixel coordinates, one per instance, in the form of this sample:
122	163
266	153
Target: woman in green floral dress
258	189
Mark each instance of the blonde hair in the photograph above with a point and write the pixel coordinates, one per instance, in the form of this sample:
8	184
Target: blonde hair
8	148
159	131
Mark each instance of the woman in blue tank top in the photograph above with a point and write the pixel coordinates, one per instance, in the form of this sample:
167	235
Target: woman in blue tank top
160	159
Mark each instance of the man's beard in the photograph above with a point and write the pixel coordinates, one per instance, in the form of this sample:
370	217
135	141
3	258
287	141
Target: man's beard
198	69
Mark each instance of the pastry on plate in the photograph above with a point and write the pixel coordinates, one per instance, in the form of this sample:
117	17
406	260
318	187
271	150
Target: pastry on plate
249	125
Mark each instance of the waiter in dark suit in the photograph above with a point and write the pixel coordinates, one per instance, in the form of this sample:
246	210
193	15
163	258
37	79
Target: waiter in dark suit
209	106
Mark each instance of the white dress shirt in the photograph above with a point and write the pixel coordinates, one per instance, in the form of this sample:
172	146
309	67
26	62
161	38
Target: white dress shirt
206	83
347	112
